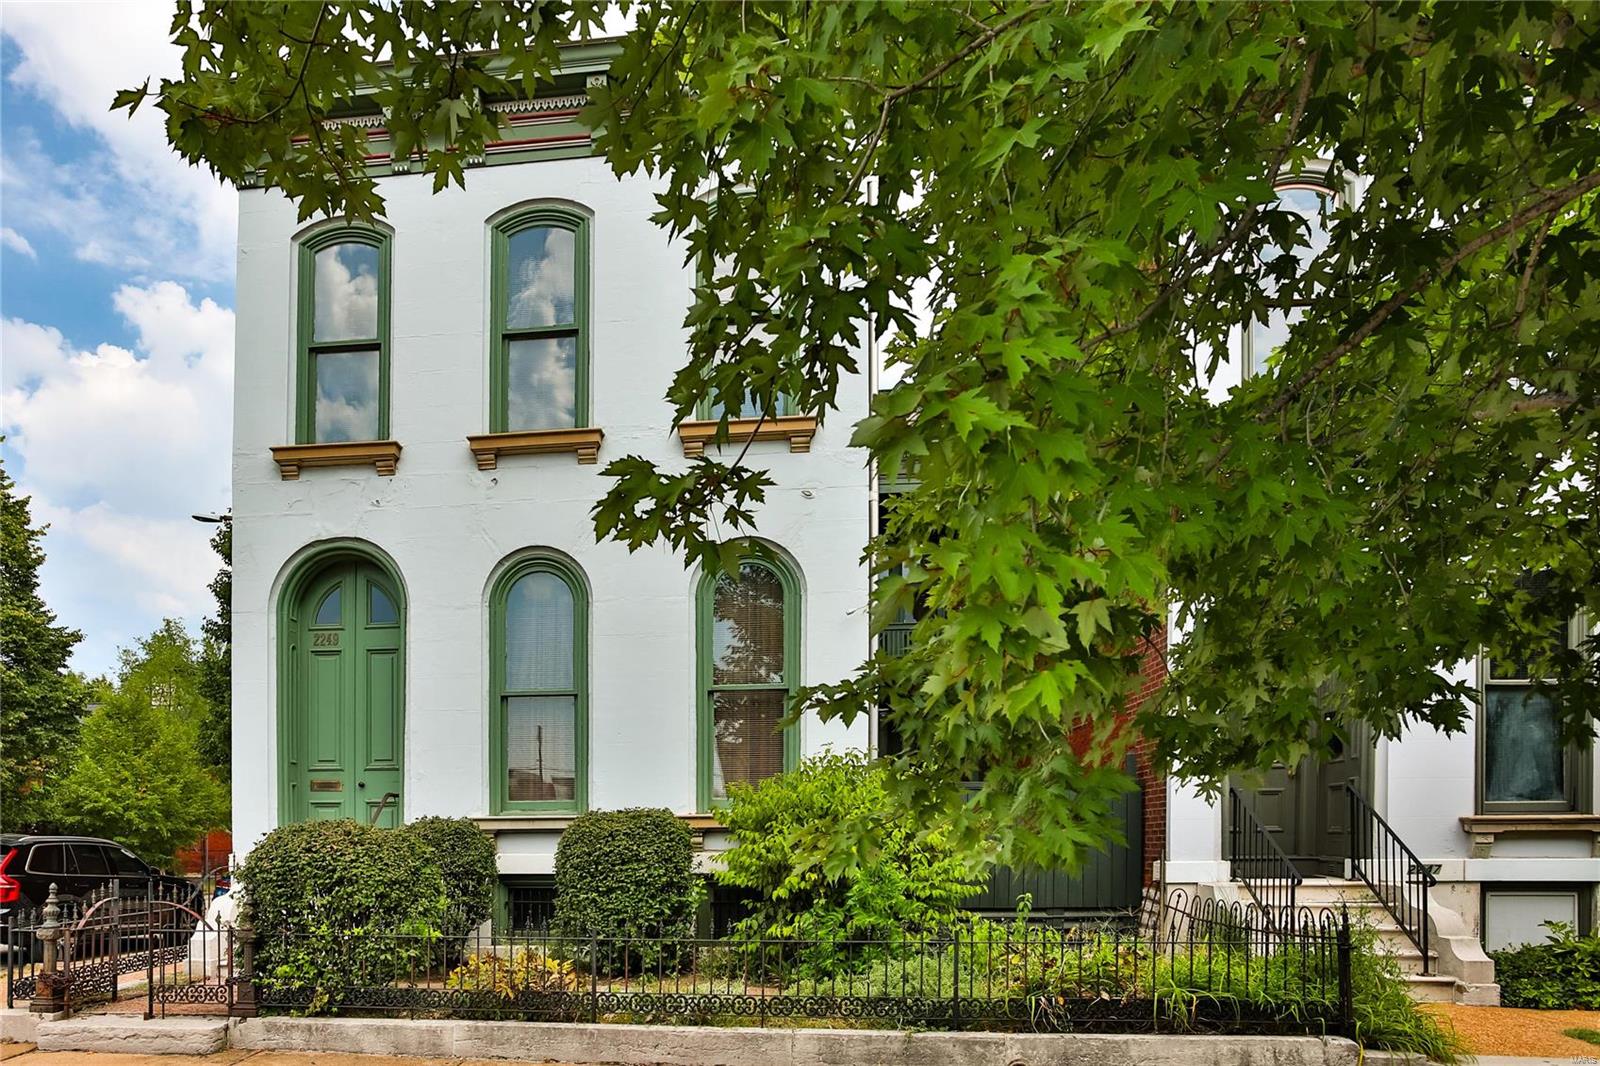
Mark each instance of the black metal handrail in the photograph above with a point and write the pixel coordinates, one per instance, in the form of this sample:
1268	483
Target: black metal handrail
1257	862
1392	870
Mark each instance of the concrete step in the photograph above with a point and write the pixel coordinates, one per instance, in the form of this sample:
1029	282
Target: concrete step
1434	988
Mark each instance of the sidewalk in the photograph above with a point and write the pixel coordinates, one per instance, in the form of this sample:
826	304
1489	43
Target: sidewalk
25	1055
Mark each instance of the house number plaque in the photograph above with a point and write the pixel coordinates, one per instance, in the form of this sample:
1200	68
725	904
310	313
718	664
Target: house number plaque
325	640
327	786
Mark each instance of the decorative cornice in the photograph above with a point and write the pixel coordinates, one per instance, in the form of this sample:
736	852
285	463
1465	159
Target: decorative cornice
367	122
538	104
487	448
383	455
796	429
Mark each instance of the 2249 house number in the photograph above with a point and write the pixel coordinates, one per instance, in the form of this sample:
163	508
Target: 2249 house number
325	640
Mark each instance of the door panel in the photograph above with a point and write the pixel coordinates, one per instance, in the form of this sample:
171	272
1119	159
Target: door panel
348	725
382	707
325	694
1305	809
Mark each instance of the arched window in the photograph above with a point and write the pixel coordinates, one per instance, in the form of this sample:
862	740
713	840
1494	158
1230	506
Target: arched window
539	365
1312	197
749	641
539	677
342	382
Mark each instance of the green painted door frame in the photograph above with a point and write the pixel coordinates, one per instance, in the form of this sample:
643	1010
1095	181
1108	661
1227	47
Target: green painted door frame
341	700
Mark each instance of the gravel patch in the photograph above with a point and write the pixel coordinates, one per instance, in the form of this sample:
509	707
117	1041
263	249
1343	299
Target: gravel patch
1517	1031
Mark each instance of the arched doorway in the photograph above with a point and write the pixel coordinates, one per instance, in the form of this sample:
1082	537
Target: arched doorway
342	700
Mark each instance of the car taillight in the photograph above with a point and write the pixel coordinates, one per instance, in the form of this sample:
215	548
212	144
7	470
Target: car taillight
10	891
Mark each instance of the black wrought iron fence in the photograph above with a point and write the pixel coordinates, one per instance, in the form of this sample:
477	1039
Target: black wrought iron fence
74	951
1206	975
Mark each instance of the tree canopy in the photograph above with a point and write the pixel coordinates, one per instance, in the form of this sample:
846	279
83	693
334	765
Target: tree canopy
1086	192
40	698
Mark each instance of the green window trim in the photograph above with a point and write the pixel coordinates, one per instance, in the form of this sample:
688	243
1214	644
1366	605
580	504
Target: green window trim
307	348
501	337
706	689
499	768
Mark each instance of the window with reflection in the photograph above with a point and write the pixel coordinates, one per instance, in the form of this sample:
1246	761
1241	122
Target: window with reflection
540	317
344	337
540	693
1525	763
748	634
1312	201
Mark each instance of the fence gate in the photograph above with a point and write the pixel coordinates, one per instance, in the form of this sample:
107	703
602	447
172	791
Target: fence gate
125	939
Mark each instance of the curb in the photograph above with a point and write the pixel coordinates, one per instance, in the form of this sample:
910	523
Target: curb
668	1045
160	1036
664	1045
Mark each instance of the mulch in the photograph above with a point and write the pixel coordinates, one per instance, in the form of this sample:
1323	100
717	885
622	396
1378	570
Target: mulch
1515	1031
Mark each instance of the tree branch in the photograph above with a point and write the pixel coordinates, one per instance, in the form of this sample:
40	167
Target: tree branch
1551	202
871	147
1302	95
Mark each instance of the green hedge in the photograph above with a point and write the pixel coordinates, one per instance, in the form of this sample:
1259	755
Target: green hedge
327	897
626	874
465	856
1561	974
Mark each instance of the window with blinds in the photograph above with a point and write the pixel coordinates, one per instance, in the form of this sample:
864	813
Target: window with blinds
539	683
749	622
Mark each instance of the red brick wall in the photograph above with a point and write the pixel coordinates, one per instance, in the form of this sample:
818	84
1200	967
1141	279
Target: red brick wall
1151	780
218	844
1152	783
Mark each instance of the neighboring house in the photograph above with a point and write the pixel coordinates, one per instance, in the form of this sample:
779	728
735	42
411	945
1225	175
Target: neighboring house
424	623
1503	817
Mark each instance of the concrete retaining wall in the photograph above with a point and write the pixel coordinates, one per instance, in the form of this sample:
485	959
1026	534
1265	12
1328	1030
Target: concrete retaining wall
692	1046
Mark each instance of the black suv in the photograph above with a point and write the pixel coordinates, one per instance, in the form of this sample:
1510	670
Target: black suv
29	865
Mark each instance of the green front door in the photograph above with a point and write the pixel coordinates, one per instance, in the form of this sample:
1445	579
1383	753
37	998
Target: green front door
348	721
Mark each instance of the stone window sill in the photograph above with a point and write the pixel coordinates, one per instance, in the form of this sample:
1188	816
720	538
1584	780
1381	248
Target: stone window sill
382	455
1483	828
531	822
487	448
796	429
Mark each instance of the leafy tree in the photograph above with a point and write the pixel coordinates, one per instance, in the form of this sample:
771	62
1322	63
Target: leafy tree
40	699
164	670
138	779
216	663
1087	191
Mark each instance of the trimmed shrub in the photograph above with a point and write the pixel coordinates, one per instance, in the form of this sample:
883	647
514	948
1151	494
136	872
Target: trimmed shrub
327	900
626	874
911	883
465	856
1561	974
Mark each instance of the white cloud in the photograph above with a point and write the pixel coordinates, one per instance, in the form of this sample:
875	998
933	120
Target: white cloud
17	242
147	210
118	448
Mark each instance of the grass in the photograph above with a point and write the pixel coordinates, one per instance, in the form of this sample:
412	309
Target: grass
1588	1036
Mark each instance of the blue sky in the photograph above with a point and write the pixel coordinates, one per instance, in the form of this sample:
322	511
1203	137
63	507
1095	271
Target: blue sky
116	296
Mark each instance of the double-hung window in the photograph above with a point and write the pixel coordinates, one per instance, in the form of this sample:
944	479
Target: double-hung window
539	364
343	374
1525	763
539	712
749	633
